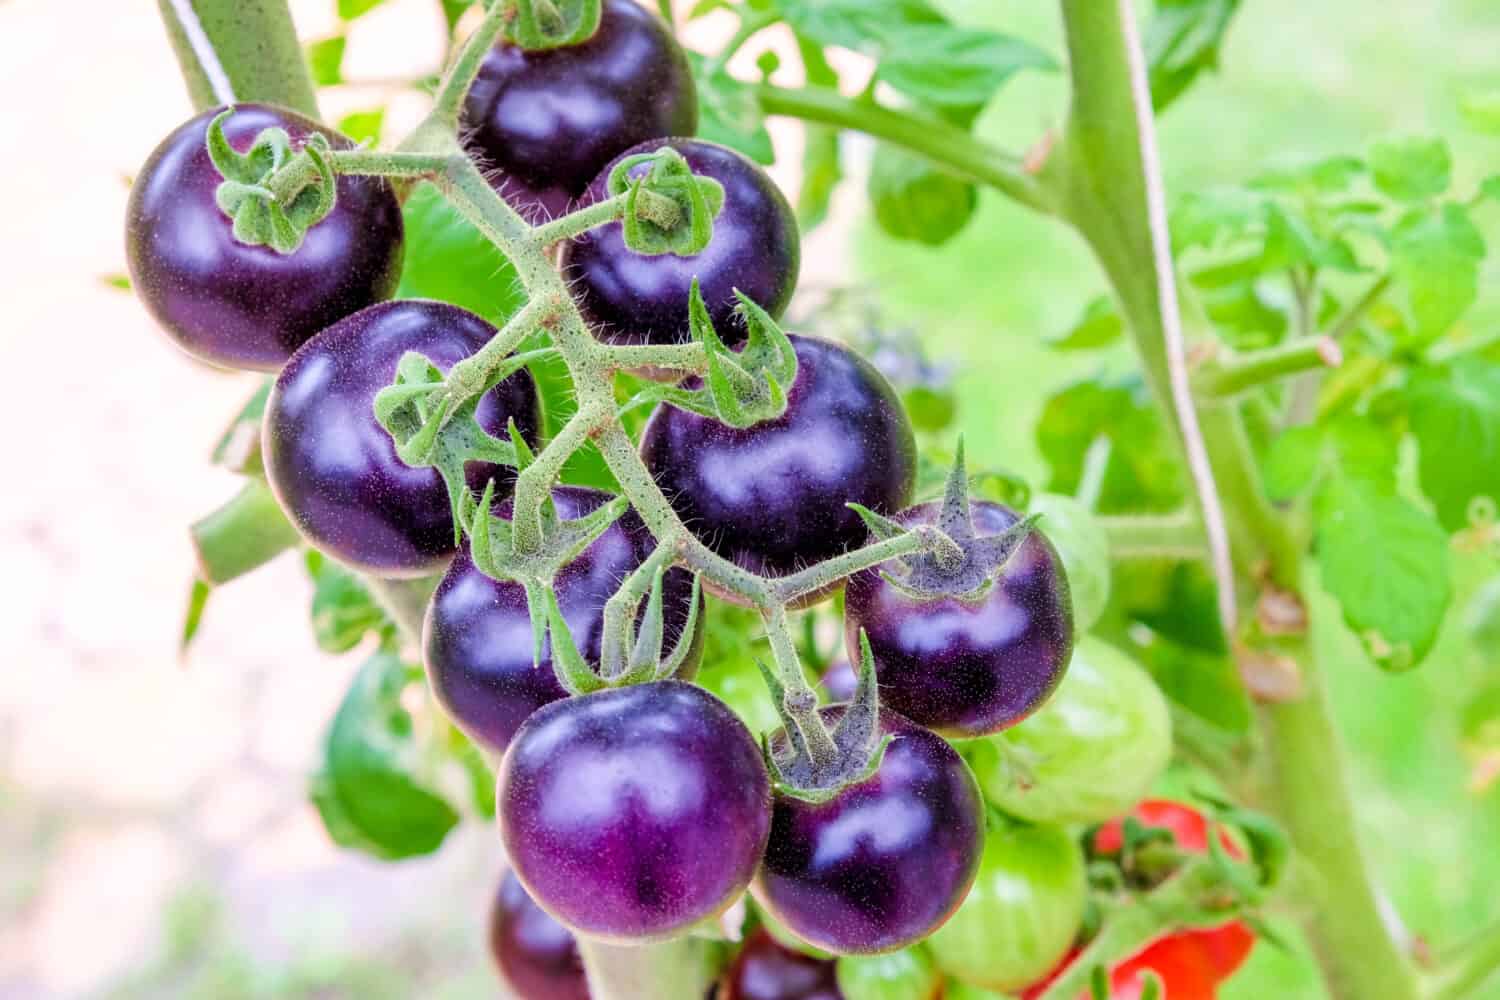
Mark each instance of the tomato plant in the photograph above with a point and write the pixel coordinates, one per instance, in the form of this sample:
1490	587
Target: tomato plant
580	413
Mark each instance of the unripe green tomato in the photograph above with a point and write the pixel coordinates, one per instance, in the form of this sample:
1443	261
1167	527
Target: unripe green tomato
953	989
907	974
1092	751
1079	538
914	200
1023	913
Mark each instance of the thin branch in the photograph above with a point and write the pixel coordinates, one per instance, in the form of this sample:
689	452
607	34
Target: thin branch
1186	411
1224	377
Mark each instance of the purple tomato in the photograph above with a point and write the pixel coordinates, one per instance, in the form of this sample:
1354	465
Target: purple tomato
968	666
773	497
633	299
335	469
243	306
478	638
633	813
537	956
885	861
764	970
550	120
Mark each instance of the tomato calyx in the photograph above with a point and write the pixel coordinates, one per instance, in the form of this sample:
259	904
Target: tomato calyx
273	193
551	24
742	387
960	563
800	770
668	208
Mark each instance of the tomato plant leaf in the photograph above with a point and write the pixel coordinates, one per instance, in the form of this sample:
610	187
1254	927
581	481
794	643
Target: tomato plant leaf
1099	326
1480	111
1292	242
729	114
363	126
448	259
913	200
946	66
1411	169
857	24
1435	256
453	10
325	60
1211	219
821	173
369	790
1183	39
1455	417
343	611
1319	177
1291	463
1138	475
1387	564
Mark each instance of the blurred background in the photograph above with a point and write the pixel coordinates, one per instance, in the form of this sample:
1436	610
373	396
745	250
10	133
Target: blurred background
155	838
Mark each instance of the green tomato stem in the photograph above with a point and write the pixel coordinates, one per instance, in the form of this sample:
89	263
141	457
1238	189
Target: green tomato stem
566	227
943	144
1155	536
449	98
244	534
245	50
1225	377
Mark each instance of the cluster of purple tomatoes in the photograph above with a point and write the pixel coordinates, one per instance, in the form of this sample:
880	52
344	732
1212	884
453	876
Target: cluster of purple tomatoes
635	813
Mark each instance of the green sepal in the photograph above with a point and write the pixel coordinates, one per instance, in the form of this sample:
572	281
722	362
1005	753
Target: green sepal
861	721
1151	986
668	209
552	24
882	528
246	194
572	670
645	658
1099	983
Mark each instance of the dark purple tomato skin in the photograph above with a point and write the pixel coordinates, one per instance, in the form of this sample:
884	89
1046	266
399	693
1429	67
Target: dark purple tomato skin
773	497
335	469
550	120
477	637
764	970
537	956
964	668
886	861
628	298
632	813
241	306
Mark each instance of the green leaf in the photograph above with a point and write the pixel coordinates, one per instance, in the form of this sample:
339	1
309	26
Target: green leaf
857	24
821	173
1435	257
1099	326
363	126
1210	219
1139	474
370	790
916	201
729	114
1320	177
931	409
1292	242
343	612
1480	111
946	66
350	9
192	617
1455	417
1182	40
325	60
238	447
448	259
1490	188
1387	564
1412	169
453	10
1292	462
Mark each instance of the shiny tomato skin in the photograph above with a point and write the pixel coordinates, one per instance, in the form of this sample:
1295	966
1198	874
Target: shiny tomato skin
765	970
550	120
477	637
335	470
240	306
628	298
773	497
1227	946
886	861
537	956
960	666
633	813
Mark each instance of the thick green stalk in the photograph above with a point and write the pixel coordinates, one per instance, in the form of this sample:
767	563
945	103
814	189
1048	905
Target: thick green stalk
244	534
1105	190
239	50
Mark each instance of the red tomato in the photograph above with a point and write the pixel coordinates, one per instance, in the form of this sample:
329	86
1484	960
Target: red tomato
1225	947
1182	964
